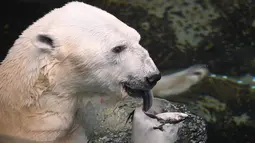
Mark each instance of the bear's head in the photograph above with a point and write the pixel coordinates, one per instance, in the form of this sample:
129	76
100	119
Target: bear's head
84	49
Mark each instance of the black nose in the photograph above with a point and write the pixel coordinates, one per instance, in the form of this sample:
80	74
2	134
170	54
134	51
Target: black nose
153	79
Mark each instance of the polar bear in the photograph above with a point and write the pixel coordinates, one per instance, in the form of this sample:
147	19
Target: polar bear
68	55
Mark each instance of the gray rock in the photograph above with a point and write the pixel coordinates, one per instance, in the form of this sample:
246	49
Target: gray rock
106	123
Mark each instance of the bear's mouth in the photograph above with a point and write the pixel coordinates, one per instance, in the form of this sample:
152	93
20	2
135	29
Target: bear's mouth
146	95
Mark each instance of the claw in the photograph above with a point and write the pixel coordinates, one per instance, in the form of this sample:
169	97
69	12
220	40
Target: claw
154	117
160	127
130	116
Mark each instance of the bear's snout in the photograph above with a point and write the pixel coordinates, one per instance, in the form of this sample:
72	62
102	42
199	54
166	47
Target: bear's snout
153	79
146	82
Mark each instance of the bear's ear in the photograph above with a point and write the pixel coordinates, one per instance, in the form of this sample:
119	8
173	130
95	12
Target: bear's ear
45	42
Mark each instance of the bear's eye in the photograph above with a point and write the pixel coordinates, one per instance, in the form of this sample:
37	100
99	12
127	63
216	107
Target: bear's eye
45	39
118	49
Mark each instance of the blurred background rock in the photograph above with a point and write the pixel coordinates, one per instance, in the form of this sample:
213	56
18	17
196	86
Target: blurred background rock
177	34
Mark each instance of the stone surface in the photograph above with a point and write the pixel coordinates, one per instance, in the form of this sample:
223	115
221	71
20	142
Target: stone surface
106	123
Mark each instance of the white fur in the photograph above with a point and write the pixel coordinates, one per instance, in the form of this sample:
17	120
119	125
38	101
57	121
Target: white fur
41	84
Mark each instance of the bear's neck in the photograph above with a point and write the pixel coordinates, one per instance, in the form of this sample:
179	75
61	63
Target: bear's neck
29	106
52	117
